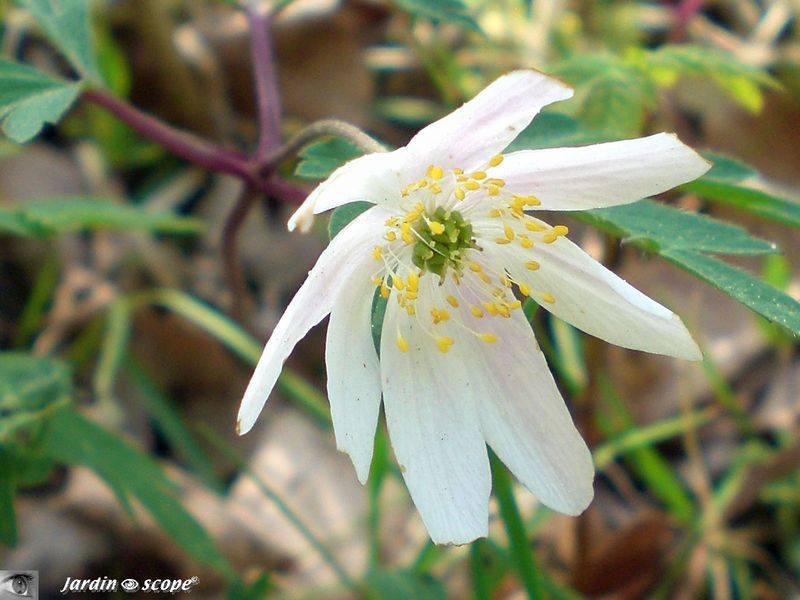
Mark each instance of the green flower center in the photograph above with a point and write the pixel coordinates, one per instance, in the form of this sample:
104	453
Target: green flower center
441	240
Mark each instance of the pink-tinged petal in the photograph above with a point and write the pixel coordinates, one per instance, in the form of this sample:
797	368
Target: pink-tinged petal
376	178
349	252
523	417
597	301
600	175
435	432
470	135
354	379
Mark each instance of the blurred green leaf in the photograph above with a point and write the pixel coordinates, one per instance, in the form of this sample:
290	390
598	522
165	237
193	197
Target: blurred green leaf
747	289
43	218
8	516
29	99
75	440
31	388
658	226
342	215
449	11
554	130
734	183
66	24
400	585
256	590
320	159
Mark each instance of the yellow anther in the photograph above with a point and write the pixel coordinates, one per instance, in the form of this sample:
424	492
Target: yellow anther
402	343
384	291
496	160
560	230
397	282
502	241
422	183
473	266
548	297
476	312
458	171
411	310
514	304
532	201
391	222
435	172
405	233
452	301
525	289
490	307
493	190
377	253
377	280
489	338
459	193
472	185
478	175
411	295
503	310
438	315
444	342
525	241
435	227
413	282
505	281
533	226
549	238
532	265
509	232
517	212
391	236
495	212
435	188
485	278
497	182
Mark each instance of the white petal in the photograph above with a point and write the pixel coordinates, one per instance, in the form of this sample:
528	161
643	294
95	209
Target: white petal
376	178
524	419
597	301
434	428
354	379
484	126
603	174
348	252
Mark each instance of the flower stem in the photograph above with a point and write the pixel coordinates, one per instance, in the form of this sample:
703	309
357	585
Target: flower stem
521	551
267	98
179	142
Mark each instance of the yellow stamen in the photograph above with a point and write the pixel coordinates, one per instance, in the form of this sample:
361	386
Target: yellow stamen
548	297
502	241
489	338
459	193
496	160
525	289
493	190
533	226
473	266
397	282
472	185
478	175
413	282
435	227
532	265
435	173
508	231
377	253
391	236
476	312
384	291
444	342
452	301
402	343
560	230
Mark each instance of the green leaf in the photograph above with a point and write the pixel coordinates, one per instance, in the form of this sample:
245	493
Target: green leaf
342	215
43	218
555	130
29	99
747	289
320	159
66	24
657	226
452	11
75	440
734	183
400	585
8	517
31	388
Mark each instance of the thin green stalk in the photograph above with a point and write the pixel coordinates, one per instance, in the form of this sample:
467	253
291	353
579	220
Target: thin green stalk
374	485
521	551
231	454
426	557
480	585
41	293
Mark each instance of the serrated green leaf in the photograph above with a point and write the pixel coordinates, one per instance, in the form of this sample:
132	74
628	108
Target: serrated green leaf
66	24
75	440
29	99
53	216
31	388
449	11
734	183
657	227
400	585
342	215
555	130
320	159
747	289
615	104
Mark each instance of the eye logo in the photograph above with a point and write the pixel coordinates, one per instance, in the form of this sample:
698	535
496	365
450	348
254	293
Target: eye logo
129	585
18	584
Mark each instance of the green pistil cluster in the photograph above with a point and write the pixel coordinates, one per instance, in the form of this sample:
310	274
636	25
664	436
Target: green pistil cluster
442	239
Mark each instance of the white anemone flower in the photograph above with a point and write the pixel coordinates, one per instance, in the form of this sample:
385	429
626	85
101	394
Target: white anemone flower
451	246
